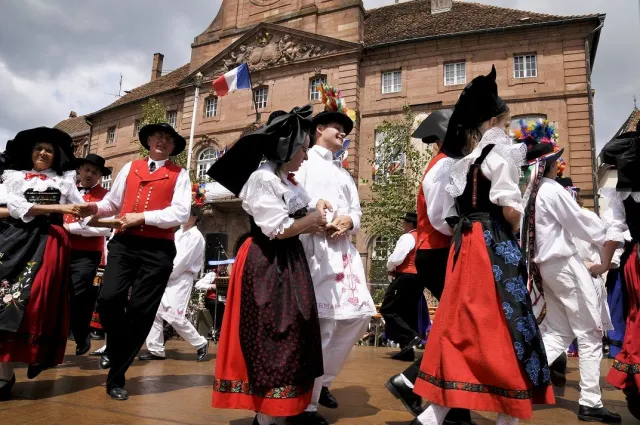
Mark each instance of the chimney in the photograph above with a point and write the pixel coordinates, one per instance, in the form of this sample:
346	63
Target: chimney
440	6
73	114
156	69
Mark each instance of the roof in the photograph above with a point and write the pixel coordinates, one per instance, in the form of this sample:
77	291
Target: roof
631	122
75	126
163	84
413	20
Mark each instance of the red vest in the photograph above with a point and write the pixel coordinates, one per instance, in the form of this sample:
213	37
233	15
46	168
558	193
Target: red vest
409	263
88	243
146	191
428	236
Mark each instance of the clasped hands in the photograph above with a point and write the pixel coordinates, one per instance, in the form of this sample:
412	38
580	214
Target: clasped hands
337	227
87	209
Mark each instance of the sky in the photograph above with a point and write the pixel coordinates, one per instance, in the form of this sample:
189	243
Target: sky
58	56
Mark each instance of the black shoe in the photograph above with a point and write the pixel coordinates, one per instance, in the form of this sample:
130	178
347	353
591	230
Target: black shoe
327	399
307	418
150	356
83	349
118	393
255	421
469	422
34	370
407	354
559	371
595	414
96	336
402	392
96	353
202	352
458	417
5	391
105	363
633	403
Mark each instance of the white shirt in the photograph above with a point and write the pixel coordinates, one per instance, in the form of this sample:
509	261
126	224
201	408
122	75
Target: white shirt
405	244
440	204
16	186
76	227
189	253
615	217
3	194
174	215
559	219
336	268
206	282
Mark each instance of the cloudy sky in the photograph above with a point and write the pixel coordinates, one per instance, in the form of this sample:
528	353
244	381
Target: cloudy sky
62	55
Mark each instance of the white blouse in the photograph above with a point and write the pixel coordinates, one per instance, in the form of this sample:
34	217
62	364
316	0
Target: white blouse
440	204
3	194
615	218
269	197
17	184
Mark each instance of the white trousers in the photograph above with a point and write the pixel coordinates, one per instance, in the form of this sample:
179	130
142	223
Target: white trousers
155	339
569	317
338	338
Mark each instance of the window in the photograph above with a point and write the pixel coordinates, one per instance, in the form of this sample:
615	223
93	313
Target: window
260	97
211	107
391	82
525	66
111	135
205	160
455	73
85	149
515	121
388	160
137	126
107	180
172	118
380	248
314	86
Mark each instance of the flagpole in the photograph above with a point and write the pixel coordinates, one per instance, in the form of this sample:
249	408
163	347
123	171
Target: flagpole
253	96
198	83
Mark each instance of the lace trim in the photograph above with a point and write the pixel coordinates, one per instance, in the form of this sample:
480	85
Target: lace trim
515	156
297	201
612	193
286	223
444	172
515	203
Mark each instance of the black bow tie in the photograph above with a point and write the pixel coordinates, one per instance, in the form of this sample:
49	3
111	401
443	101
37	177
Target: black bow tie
152	167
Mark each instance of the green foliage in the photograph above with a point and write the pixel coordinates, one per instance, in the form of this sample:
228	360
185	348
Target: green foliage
394	186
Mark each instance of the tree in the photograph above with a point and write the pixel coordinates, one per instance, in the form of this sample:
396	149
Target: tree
397	168
153	112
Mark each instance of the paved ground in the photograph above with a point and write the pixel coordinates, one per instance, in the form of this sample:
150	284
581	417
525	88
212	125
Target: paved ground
178	391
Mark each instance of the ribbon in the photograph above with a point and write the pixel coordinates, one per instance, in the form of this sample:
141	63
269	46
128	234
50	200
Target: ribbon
292	129
292	178
462	225
29	176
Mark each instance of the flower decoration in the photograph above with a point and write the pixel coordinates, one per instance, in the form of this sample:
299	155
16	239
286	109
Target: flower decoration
533	133
197	194
334	102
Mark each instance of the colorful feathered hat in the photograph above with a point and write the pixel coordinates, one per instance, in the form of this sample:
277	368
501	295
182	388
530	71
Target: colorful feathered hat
542	143
197	195
335	110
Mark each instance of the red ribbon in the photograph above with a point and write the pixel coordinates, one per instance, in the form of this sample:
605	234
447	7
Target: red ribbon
292	178
29	176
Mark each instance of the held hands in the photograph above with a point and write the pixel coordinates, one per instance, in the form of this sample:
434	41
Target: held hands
339	226
598	269
322	205
319	221
131	220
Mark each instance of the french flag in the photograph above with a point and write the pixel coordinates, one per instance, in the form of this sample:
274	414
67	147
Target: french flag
236	79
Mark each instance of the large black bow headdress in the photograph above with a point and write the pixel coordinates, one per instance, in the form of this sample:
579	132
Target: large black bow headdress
278	142
622	152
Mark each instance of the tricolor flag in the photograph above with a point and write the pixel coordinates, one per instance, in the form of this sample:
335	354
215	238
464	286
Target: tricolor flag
236	79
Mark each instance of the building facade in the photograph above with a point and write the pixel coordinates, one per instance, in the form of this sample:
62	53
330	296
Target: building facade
419	53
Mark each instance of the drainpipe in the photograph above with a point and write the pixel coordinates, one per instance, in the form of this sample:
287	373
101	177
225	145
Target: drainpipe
592	131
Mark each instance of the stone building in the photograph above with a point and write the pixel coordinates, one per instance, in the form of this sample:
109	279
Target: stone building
419	53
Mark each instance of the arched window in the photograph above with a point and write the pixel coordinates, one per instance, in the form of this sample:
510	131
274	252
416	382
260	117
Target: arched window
206	158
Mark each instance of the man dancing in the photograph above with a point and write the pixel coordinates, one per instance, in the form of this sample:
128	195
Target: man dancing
175	301
153	196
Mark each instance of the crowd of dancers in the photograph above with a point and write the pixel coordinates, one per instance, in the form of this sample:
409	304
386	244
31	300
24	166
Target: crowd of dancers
498	238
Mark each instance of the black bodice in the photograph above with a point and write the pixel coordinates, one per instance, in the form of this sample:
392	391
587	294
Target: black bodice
475	198
632	213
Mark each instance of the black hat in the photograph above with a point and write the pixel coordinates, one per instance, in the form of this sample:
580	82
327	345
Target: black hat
278	142
567	182
622	152
411	217
478	102
96	160
19	150
274	115
178	141
543	152
327	117
434	127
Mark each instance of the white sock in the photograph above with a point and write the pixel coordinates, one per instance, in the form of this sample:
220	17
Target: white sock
266	419
406	381
101	349
6	371
506	420
433	415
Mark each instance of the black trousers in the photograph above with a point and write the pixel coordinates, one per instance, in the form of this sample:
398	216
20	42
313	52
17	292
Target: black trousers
432	270
400	308
144	265
216	317
82	293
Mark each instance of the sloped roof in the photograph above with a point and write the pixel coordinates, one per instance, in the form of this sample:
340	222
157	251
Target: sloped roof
74	126
413	19
163	84
631	122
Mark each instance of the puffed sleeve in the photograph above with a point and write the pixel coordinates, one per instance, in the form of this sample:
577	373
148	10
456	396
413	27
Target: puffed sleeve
263	197
16	202
69	189
504	178
614	218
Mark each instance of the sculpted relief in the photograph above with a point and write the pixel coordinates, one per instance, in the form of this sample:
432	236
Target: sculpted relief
267	49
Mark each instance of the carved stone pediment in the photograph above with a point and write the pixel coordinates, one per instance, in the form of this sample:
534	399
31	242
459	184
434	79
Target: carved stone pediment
268	46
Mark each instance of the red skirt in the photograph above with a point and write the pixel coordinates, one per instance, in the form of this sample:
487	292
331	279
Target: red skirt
470	361
42	335
625	372
231	387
